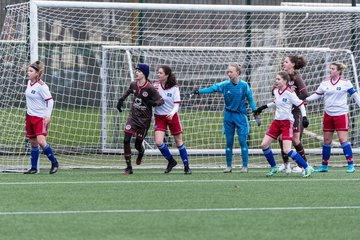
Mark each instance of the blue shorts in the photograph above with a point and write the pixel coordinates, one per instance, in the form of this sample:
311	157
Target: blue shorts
234	120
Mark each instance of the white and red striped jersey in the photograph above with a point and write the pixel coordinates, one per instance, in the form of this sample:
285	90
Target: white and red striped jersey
37	97
171	97
284	101
335	94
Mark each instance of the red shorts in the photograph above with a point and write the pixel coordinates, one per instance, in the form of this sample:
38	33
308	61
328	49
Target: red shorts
281	127
338	123
35	126
161	123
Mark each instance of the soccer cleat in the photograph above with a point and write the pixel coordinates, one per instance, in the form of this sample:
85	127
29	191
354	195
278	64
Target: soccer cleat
282	167
322	168
138	160
187	170
272	171
228	170
170	166
297	169
128	170
245	170
31	171
54	168
350	168
308	171
288	168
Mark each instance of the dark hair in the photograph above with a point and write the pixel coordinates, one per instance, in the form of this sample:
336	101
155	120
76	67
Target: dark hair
298	60
284	75
38	67
340	66
171	80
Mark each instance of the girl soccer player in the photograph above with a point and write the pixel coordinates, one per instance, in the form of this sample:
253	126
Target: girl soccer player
336	113
39	104
285	98
167	115
291	65
139	119
236	93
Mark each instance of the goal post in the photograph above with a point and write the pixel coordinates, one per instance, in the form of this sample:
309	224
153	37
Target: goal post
198	41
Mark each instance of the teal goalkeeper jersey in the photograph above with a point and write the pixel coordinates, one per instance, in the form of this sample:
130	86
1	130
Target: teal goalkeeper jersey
235	95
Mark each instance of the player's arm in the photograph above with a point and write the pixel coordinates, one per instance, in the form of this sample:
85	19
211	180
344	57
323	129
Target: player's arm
214	88
250	98
177	101
300	104
121	100
315	96
353	93
303	92
155	99
46	95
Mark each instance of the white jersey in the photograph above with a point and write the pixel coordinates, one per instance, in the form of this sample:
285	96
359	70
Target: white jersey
37	94
284	101
335	96
171	97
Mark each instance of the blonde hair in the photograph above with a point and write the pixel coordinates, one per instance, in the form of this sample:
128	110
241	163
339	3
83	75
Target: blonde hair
236	66
340	66
39	67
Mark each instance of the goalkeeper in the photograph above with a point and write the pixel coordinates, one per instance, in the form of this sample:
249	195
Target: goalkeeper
236	92
139	119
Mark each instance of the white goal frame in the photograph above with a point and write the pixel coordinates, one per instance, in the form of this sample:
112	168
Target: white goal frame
128	49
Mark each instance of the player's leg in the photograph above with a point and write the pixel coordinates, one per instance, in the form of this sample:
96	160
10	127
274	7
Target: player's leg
285	166
296	156
328	132
160	127
127	153
347	150
229	131
243	130
265	146
35	152
41	139
183	153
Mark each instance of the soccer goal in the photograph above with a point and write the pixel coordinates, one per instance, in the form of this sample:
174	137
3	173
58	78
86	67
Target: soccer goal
91	48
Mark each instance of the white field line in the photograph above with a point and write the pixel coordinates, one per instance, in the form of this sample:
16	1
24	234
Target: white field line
268	180
182	210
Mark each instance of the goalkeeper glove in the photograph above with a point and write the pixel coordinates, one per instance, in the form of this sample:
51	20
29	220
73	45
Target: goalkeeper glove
260	109
257	118
305	122
120	104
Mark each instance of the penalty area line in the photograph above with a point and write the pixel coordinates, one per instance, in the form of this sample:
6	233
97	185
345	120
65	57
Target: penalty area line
181	210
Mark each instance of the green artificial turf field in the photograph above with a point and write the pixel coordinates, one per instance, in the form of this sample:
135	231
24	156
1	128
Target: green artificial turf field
104	204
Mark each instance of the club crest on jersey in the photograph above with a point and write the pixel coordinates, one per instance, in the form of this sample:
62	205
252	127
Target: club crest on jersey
169	95
284	100
33	91
128	127
145	94
338	88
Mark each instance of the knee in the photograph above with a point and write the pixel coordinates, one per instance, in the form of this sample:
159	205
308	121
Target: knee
159	142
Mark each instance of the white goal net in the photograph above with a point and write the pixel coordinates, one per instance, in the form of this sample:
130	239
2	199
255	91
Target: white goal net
90	50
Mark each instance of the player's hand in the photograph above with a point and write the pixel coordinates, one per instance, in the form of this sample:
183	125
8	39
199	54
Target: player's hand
305	122
170	116
260	109
257	118
196	92
120	104
46	120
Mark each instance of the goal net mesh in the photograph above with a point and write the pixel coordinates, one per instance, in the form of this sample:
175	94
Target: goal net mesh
86	77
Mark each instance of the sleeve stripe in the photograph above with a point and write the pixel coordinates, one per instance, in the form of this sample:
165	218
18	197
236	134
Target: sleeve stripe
301	104
48	99
319	93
